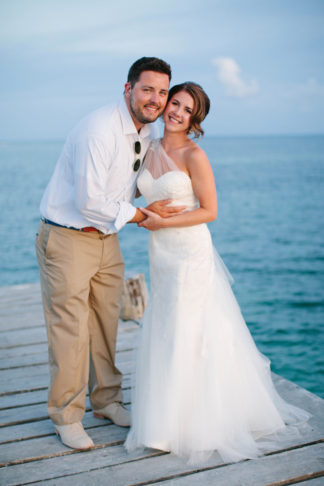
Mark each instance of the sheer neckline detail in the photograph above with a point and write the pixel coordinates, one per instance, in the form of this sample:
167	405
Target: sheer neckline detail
167	155
158	162
166	173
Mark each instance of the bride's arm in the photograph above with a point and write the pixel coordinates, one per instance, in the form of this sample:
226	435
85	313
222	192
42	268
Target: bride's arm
203	184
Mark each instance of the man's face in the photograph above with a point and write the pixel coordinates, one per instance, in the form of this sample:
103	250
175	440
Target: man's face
146	100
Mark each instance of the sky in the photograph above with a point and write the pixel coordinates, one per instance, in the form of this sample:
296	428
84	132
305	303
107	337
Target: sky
260	61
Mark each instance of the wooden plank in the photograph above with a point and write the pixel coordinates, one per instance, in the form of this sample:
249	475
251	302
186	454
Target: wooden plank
11	306
123	359
43	383
308	433
312	431
49	462
29	349
13	416
23	337
40	396
16	300
49	446
269	470
76	461
298	396
311	482
42	358
125	340
37	335
23	361
41	428
290	391
20	307
33	378
23	399
275	470
26	317
37	412
14	380
41	444
40	383
13	291
311	402
12	295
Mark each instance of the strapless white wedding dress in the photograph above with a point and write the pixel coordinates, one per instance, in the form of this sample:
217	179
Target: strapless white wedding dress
201	384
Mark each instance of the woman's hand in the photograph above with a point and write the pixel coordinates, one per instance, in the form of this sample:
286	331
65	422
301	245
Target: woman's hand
153	221
162	209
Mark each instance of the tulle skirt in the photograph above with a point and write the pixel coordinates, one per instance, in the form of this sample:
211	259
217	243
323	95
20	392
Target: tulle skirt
201	384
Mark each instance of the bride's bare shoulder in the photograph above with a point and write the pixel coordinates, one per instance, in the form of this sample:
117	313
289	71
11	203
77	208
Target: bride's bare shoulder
195	154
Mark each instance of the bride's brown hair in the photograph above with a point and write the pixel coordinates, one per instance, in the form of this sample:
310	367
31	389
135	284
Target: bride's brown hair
201	105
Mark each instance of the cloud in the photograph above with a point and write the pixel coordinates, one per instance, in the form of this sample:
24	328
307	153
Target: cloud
229	76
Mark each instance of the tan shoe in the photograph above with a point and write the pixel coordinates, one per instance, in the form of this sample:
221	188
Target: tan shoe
116	412
74	436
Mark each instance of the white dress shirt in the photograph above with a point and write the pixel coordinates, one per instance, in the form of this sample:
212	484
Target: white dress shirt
94	183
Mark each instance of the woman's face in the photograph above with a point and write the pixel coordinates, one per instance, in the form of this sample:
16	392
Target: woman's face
177	114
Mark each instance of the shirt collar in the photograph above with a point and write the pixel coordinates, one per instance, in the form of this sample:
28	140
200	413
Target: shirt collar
128	124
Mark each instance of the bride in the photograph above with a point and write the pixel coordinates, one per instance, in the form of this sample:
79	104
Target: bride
201	383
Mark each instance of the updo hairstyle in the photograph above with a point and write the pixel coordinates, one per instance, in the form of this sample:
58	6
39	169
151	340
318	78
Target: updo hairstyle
200	108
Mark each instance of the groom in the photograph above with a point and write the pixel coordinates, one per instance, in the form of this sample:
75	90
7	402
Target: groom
87	201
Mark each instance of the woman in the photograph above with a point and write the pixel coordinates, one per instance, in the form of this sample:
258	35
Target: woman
201	383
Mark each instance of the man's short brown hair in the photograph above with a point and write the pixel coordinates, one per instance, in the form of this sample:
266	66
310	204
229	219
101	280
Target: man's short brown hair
147	64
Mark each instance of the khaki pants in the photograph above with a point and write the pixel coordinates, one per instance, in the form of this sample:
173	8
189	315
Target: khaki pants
81	277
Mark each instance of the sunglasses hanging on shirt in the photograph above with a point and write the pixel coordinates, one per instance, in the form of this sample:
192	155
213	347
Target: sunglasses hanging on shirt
137	149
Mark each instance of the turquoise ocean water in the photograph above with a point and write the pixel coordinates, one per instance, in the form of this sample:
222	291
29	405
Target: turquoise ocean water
269	233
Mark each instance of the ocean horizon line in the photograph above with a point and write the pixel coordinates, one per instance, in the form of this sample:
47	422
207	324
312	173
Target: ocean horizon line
220	136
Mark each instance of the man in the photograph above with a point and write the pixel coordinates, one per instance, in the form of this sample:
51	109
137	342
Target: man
87	201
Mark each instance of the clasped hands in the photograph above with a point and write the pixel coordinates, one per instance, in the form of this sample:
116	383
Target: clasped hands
157	212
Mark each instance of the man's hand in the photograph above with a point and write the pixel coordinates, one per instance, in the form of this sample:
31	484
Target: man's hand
153	221
162	209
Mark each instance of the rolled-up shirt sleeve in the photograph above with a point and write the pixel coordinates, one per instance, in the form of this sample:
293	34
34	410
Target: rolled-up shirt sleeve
92	160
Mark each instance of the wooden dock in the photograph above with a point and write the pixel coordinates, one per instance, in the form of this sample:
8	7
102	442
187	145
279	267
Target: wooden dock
30	453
